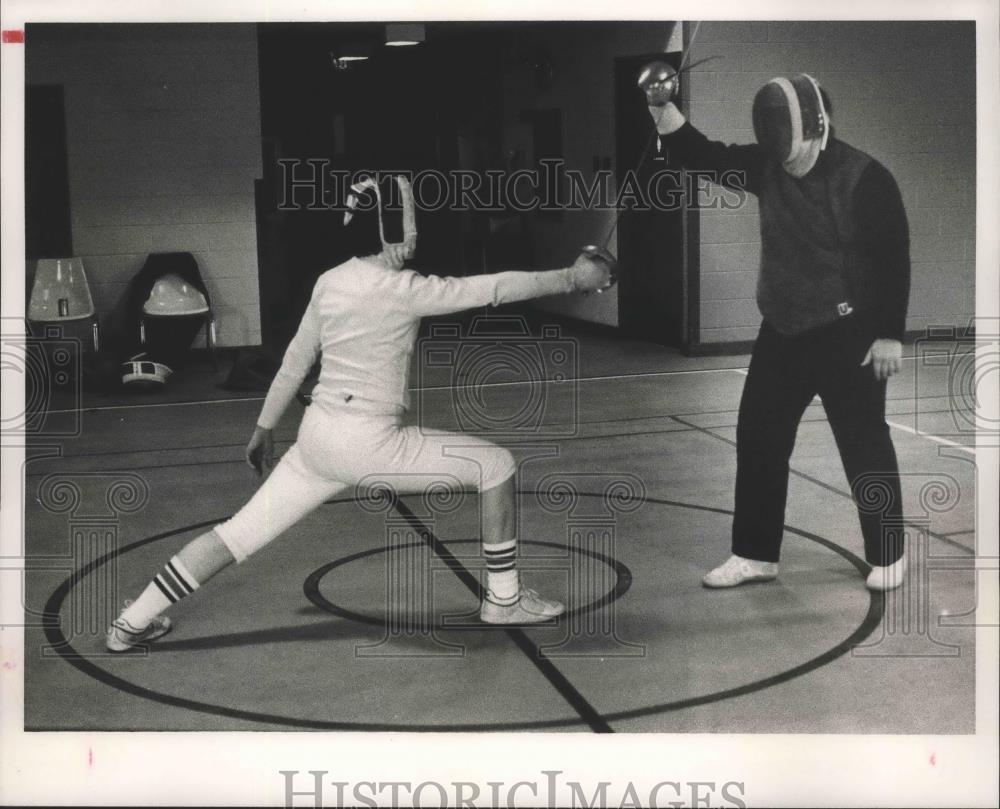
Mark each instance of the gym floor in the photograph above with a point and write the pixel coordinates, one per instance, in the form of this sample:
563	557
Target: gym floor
364	615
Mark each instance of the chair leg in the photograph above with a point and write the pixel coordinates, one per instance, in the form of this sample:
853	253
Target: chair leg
210	342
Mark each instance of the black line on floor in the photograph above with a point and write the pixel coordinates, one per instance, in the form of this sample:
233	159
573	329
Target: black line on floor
62	646
311	586
823	484
546	667
872	619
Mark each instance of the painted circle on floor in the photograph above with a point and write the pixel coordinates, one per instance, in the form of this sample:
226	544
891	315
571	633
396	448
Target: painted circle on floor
62	646
311	588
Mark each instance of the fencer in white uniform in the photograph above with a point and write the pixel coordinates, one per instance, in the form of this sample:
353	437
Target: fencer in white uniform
362	323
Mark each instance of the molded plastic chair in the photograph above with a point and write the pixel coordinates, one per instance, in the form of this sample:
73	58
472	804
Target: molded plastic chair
172	296
60	294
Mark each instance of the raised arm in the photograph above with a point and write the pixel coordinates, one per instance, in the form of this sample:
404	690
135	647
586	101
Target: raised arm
731	165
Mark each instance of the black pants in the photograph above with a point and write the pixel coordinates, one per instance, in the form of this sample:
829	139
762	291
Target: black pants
785	373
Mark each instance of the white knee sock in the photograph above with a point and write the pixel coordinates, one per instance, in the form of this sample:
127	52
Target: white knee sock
168	587
501	570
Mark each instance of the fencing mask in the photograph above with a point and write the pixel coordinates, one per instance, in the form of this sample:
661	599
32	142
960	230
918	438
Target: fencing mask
791	122
382	213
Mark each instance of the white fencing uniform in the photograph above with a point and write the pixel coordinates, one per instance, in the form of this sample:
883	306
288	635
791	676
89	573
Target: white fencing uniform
363	320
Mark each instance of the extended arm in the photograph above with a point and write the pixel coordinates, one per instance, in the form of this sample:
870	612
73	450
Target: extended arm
434	295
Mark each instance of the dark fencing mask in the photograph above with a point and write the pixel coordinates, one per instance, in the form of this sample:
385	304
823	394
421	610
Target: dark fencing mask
791	122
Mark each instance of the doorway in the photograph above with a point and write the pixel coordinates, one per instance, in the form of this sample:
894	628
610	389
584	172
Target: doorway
654	298
48	230
407	109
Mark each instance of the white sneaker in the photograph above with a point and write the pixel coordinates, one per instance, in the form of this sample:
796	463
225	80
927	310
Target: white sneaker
737	570
887	577
529	608
122	636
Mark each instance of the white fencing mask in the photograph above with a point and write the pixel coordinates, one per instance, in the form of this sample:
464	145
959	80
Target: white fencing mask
395	212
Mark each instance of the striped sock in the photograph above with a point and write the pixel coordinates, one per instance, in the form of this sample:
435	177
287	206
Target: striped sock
168	587
501	571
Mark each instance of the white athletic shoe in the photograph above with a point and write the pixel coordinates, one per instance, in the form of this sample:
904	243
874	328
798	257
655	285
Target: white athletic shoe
530	608
737	570
887	577
122	636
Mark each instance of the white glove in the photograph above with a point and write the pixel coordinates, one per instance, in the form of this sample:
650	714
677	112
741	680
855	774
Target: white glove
667	118
590	274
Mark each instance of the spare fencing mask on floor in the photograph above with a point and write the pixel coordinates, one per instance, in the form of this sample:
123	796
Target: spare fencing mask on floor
382	210
791	123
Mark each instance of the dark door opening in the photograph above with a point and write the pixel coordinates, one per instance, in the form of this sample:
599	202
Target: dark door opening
48	230
652	300
408	109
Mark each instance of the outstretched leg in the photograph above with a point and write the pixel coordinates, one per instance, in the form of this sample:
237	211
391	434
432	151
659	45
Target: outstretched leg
288	494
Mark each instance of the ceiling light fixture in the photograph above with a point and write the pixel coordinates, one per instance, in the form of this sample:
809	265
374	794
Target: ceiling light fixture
348	52
402	34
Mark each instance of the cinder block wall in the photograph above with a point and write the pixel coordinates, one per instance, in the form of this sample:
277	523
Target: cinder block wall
904	93
163	141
